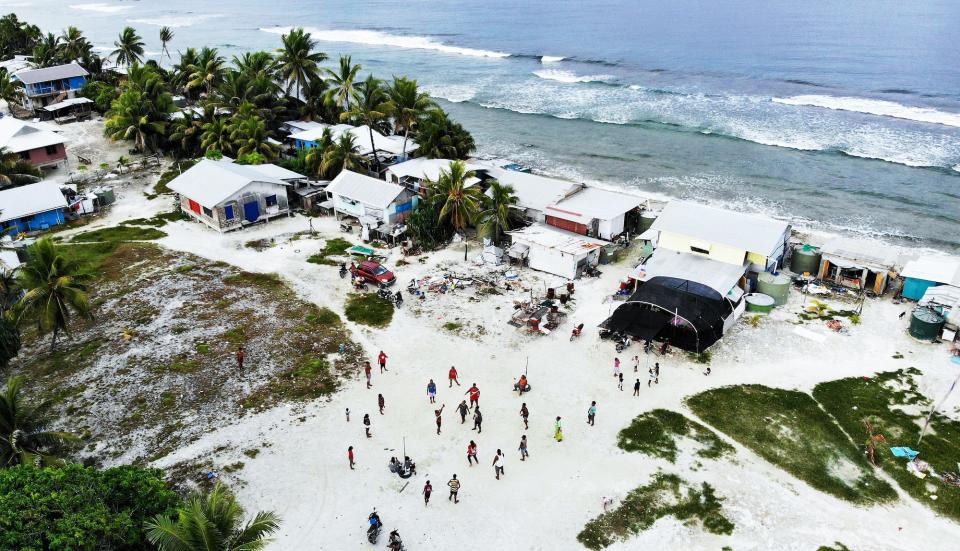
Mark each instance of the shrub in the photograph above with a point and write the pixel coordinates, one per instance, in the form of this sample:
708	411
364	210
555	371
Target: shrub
369	309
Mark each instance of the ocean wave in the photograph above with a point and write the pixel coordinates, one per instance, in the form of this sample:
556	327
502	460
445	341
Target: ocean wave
377	38
570	77
100	7
550	59
875	107
175	21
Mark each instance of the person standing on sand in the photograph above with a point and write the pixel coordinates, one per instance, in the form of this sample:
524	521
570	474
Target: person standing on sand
366	424
525	414
523	448
380	402
350	456
454	488
453	376
382	360
707	372
348	415
241	355
477	420
462	409
498	464
636	364
636	388
369	372
558	430
652	377
427	490
474	393
592	412
437	412
432	391
616	366
472	453
656	373
620	383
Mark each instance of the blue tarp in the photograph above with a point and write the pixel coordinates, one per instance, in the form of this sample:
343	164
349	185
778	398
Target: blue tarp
904	452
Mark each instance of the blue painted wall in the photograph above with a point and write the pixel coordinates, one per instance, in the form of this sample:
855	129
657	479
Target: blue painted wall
914	288
38	221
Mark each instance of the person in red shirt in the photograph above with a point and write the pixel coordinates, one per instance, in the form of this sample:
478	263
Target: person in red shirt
427	490
382	360
350	456
453	376
474	393
472	453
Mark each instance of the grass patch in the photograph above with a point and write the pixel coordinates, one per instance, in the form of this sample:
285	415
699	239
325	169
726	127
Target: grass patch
837	546
788	429
323	316
665	495
891	403
254	278
203	348
121	233
700	358
452	326
252	452
259	245
369	309
333	247
655	433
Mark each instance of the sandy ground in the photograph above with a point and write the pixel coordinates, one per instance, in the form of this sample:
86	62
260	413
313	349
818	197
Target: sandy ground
544	502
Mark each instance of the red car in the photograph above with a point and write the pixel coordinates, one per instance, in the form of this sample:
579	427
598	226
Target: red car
375	272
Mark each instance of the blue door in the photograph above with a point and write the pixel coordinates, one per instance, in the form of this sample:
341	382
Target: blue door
251	211
228	212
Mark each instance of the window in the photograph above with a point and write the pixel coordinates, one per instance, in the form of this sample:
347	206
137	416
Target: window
207	212
25	155
699	250
271	200
51	150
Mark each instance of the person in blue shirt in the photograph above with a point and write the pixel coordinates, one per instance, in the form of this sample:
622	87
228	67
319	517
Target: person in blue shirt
592	413
432	391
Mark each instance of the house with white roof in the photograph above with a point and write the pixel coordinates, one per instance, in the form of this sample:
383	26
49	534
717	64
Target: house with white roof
228	196
756	243
372	201
929	271
416	172
389	149
32	207
50	85
554	251
34	142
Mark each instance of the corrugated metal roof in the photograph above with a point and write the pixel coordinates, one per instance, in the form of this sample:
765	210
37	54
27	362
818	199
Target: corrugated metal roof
940	269
594	203
211	182
278	172
58	72
361	134
18	136
554	238
743	231
429	169
30	199
364	189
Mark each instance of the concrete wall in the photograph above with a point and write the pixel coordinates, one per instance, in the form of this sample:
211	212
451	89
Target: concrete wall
39	157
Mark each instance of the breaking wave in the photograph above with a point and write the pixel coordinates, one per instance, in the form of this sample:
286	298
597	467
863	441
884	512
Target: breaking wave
570	77
100	7
175	21
550	59
875	107
377	38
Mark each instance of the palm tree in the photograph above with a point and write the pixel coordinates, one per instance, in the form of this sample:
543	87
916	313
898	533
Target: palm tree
495	214
251	63
166	35
340	155
211	522
133	117
129	48
458	203
25	438
11	91
186	131
441	138
9	290
216	136
208	71
54	288
407	106
181	71
313	157
72	45
370	108
342	82
249	134
315	100
14	171
297	63
45	53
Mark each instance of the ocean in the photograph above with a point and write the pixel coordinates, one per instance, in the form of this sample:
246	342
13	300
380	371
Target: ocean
843	117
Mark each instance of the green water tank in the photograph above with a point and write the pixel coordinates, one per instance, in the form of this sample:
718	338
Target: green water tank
926	324
759	303
647	218
776	286
806	259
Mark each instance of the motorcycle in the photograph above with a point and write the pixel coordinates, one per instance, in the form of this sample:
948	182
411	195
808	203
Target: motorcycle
343	270
375	526
397	299
576	332
592	271
360	285
623	342
395	543
385	293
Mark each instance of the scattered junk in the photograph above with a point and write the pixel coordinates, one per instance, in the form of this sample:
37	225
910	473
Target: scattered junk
859	266
538	316
927	272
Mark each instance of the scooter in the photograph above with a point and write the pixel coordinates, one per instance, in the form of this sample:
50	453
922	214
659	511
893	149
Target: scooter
623	342
384	293
343	270
576	332
395	543
360	285
375	526
397	299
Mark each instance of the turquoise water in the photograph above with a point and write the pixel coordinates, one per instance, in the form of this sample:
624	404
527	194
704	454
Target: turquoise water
838	116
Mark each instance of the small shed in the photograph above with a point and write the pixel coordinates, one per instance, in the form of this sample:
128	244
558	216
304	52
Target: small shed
555	251
858	265
370	200
32	207
929	271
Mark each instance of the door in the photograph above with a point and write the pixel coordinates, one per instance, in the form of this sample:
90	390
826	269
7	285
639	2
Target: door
194	206
251	211
228	212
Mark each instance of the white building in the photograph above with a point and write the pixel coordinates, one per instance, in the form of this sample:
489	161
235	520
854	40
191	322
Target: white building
415	172
554	251
34	142
372	201
227	196
389	149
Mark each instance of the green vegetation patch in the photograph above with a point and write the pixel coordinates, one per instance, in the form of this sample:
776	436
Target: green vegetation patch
789	429
120	233
892	405
655	433
333	247
666	495
369	309
837	546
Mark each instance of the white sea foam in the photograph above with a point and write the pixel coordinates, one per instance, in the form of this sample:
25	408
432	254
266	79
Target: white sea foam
175	21
570	77
875	107
377	38
551	59
100	7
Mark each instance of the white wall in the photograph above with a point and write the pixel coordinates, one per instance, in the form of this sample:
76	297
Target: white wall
555	262
608	228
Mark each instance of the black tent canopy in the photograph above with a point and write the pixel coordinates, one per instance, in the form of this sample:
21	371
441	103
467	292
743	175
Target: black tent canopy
688	314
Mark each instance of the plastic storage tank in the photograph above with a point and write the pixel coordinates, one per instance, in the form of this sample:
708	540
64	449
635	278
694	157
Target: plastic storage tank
806	259
776	286
926	324
759	303
647	218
